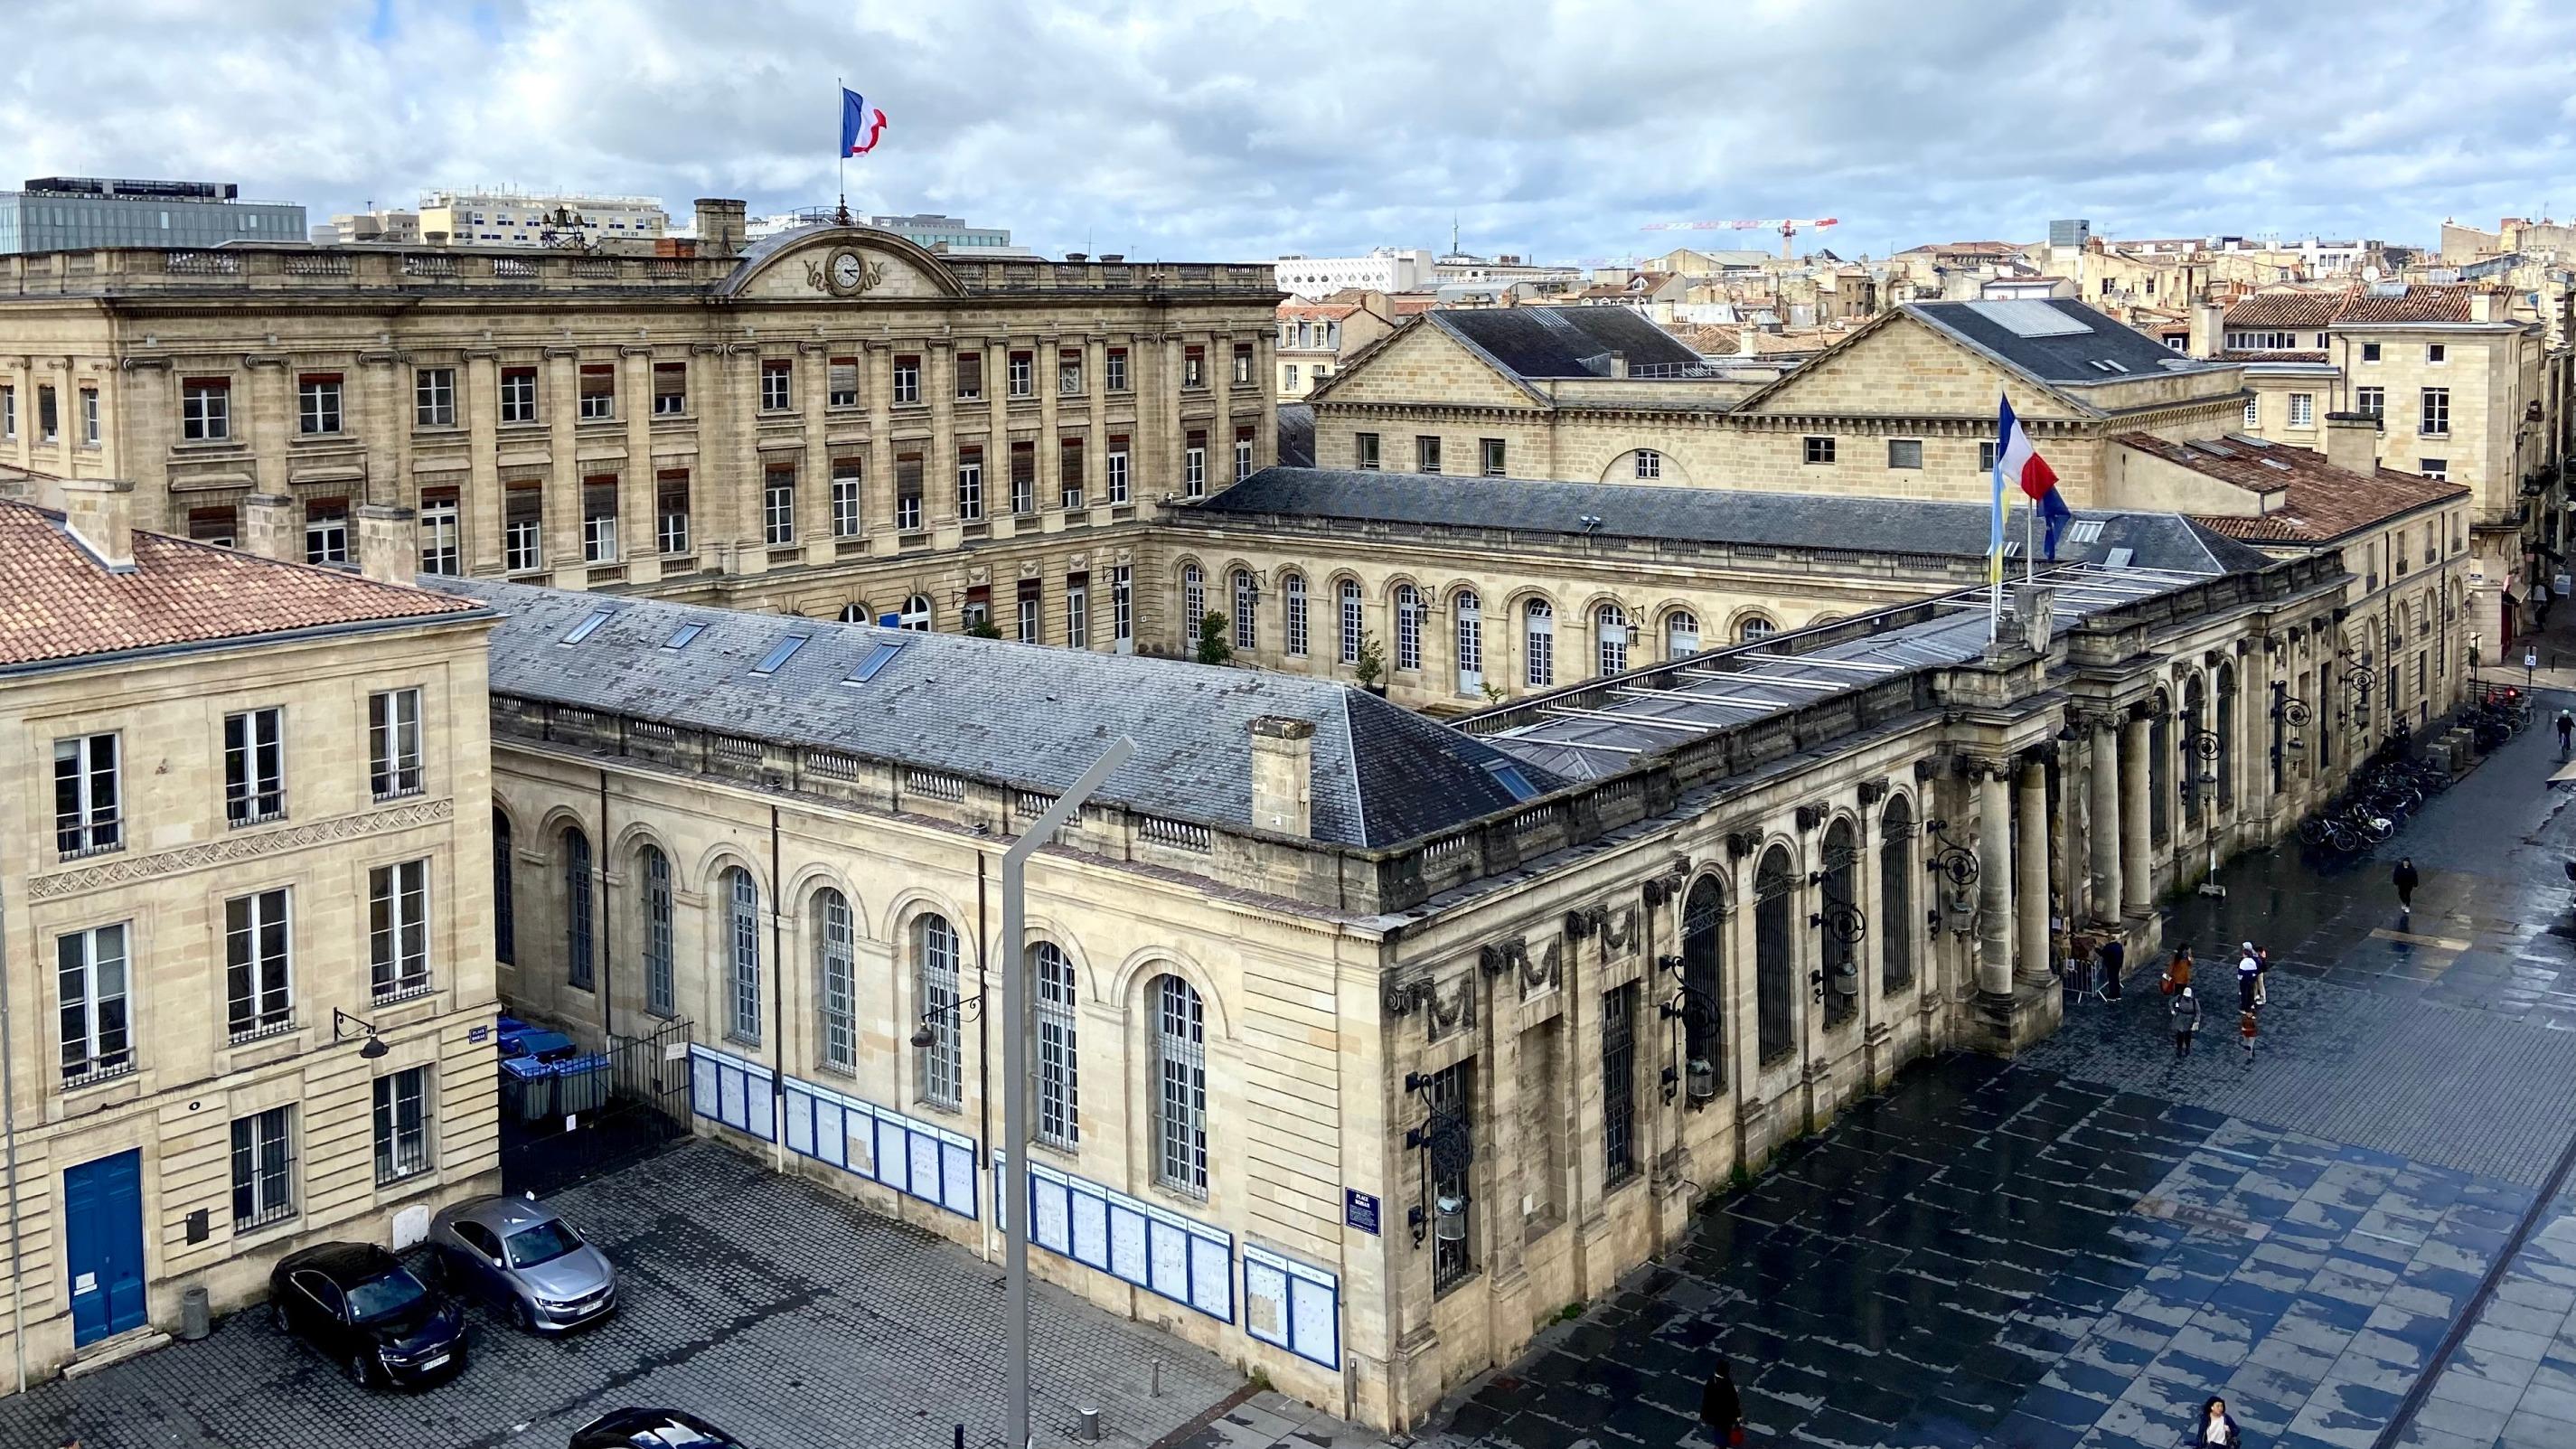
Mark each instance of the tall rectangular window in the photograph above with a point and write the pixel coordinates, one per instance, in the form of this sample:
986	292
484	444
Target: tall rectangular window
1024	477
1069	472
1029	618
254	766
658	963
1194	367
598	391
1194	464
1426	454
907	492
1122	606
835	961
398	929
433	397
89	417
970	377
1491	450
326	532
8	412
263	1168
258	990
88	817
1022	367
1242	454
845	497
91	975
49	423
941	1080
2437	412
670	389
777	384
778	506
1114	366
2303	410
522	528
317	403
393	743
580	916
1077	611
970	484
671	510
1059	1082
441	533
1114	468
907	381
1350	622
205	410
842	383
1364	451
402	1125
1618	1084
518	395
599	520
1243	364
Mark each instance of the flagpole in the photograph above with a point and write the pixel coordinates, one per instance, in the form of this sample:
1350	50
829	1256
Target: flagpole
2029	539
839	87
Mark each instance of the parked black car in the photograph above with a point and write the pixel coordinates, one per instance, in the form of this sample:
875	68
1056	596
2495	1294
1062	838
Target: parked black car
365	1311
651	1429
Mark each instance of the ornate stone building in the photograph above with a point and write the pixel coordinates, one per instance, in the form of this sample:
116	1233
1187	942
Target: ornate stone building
246	888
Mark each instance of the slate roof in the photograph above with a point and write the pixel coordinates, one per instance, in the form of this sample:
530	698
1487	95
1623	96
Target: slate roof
2063	359
1539	342
1297	434
1852	523
60	605
2322	502
1027	715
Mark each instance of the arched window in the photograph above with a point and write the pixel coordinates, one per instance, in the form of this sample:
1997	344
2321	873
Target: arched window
2195	719
855	614
1840	906
934	957
1471	643
1180	1086
2160	768
1193	601
1681	634
1539	635
1408	627
505	925
1896	896
1775	964
1352	623
1610	635
1247	611
916	614
836	981
1650	464
1754	627
657	932
1059	1080
2226	761
1703	985
1293	591
742	955
580	960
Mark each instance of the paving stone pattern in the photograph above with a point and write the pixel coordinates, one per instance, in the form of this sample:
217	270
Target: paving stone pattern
2512	1385
783	1313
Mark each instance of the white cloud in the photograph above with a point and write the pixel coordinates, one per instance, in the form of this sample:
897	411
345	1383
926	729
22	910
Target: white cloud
1250	129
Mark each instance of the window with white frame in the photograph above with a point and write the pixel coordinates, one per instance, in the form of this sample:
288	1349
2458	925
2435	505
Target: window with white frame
845	497
1018	370
939	1075
518	395
88	795
1077	611
836	974
658	985
1755	627
205	410
402	1125
1351	622
91	977
2437	412
441	536
2253	413
777	384
1194	467
1289	376
1539	638
1193	600
1681	634
1471	643
2370	400
393	743
254	766
907	381
970	484
433	397
599	520
598	391
1650	464
778	506
1122	604
1180	1086
1247	611
1408	627
2303	410
263	1168
2437	469
1115	365
1116	474
1059	1067
317	403
258	970
670	389
1292	593
398	929
326	532
1242	457
842	383
742	955
522	533
1610	635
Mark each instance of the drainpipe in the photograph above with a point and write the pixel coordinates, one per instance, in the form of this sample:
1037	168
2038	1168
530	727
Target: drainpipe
983	1027
9	1173
607	924
777	1003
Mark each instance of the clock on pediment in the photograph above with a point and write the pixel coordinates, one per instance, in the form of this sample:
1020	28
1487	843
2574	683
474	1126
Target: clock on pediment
846	272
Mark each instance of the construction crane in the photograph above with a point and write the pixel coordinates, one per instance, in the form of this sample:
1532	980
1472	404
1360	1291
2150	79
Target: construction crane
1788	229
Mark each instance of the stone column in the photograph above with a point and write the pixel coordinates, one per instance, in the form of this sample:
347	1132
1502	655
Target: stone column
808	392
1168	431
2102	773
637	547
2137	849
1994	880
1220	451
878	492
1042	360
1095	448
480	510
2032	946
562	409
384	417
271	419
939	460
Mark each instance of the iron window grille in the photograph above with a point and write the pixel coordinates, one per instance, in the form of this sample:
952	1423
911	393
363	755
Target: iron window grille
1180	1101
263	1168
254	766
1618	1084
92	976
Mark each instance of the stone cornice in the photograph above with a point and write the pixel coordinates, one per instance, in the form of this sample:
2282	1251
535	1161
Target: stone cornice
228	849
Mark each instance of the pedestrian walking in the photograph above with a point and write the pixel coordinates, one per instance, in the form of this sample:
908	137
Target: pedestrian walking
2178	970
2186	1020
2246	1027
2249	983
2217	1429
2113	958
2566	730
2404	878
1721	1409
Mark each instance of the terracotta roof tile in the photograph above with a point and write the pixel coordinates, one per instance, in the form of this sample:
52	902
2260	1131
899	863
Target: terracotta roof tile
2286	309
2420	302
57	602
2320	501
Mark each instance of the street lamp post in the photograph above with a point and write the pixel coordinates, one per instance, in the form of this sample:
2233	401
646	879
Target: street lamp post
1015	1071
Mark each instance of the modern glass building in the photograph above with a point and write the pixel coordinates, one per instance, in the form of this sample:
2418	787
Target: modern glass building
74	213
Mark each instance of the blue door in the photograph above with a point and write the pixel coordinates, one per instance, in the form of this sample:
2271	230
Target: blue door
103	1245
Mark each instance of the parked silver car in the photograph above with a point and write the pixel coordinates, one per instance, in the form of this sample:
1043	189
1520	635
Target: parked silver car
516	1255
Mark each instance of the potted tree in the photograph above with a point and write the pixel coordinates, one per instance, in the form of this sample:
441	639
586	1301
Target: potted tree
1370	666
1212	646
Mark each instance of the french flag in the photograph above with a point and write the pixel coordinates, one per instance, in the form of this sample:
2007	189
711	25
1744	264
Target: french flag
2017	462
861	124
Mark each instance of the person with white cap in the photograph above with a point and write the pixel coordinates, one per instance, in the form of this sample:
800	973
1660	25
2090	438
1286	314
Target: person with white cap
2186	1020
2249	979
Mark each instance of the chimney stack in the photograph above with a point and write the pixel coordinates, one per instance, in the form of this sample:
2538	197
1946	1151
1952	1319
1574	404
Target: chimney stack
2352	442
384	543
2482	306
1618	364
100	513
1283	771
720	226
2208	329
268	527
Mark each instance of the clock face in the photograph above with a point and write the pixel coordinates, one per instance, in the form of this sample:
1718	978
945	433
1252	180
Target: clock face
845	269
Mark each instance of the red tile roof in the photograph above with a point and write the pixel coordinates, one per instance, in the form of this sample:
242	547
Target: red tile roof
1329	311
2286	309
57	602
2420	302
2321	502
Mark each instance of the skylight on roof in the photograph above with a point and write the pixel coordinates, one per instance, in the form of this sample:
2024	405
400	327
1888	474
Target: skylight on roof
681	636
779	653
585	628
877	659
2084	530
1512	779
2029	317
2119	558
2274	463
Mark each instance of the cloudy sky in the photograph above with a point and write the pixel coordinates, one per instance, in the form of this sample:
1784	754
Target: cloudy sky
1324	126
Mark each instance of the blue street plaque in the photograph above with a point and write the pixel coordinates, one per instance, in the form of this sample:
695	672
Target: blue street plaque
478	1034
1359	1209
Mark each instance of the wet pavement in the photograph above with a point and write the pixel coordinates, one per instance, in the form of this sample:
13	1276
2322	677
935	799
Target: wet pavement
2343	1236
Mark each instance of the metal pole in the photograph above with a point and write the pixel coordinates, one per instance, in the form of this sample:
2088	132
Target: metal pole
1015	1073
9	1179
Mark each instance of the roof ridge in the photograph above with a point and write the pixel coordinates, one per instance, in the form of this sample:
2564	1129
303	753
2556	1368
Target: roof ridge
1351	762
